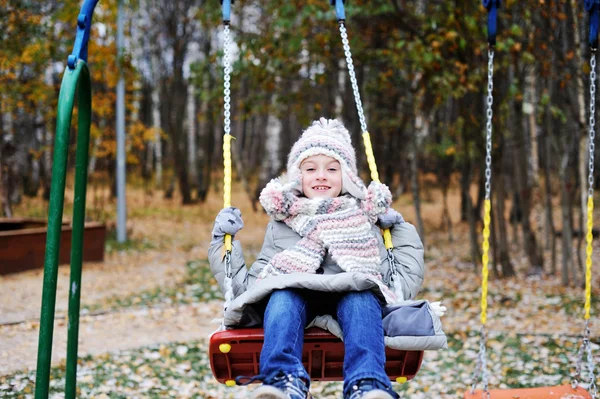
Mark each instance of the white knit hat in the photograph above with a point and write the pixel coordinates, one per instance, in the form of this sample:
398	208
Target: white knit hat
331	138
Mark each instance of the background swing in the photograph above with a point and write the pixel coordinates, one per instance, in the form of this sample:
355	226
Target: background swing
573	390
236	352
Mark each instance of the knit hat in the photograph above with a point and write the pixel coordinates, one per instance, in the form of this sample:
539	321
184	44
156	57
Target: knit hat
327	137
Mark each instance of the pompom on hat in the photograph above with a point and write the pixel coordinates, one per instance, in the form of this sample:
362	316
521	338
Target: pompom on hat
327	137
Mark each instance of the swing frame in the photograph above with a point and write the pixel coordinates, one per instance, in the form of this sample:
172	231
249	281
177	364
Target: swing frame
573	390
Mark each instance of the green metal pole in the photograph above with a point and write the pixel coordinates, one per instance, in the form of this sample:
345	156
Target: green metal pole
55	213
81	170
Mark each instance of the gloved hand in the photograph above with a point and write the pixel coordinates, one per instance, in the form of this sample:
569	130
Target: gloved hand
389	219
437	308
228	221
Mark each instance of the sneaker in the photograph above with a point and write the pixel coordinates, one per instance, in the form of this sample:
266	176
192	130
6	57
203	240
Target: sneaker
370	389
282	386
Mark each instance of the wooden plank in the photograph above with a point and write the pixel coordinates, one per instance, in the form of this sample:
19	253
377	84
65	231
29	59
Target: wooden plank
24	249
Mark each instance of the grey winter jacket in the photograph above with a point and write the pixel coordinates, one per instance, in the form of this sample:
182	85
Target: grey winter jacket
408	271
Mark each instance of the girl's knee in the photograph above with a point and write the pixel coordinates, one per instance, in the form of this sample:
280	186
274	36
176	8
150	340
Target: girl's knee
361	296
286	300
359	302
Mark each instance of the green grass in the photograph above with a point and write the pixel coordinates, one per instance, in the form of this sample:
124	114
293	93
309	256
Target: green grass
111	244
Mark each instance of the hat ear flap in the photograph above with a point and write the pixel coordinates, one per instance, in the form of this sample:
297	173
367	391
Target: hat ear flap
355	189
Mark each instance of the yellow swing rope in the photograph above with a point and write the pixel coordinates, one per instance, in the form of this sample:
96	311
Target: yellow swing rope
387	236
227	180
588	260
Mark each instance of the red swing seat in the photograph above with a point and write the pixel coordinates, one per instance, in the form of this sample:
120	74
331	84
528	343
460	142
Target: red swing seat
236	353
557	392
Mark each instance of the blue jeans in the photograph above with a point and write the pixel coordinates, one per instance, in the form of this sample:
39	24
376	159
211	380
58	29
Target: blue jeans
359	315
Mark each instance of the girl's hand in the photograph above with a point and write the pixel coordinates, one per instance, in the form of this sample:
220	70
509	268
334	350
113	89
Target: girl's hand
390	218
228	221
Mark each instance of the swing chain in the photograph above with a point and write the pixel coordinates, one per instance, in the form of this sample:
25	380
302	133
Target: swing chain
592	134
481	366
228	269
488	125
350	64
586	349
592	389
227	79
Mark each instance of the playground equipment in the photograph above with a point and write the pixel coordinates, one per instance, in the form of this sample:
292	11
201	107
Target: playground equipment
566	391
76	80
235	353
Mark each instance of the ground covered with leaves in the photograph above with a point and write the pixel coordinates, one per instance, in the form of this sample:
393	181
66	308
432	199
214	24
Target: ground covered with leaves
148	309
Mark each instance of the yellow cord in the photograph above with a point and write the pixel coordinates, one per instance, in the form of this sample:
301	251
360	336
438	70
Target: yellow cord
370	157
588	260
485	259
227	181
387	236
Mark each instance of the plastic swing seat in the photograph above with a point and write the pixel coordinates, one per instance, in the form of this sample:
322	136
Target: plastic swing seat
235	353
557	392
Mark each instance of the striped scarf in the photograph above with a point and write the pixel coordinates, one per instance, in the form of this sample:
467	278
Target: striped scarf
341	225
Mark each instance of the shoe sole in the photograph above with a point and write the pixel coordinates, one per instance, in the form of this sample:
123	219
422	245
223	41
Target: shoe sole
269	392
377	394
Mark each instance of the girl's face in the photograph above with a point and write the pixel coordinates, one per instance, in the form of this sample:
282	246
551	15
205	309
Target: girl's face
321	177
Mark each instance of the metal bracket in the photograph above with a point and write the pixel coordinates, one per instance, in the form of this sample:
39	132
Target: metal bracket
492	7
84	25
339	9
593	8
226	6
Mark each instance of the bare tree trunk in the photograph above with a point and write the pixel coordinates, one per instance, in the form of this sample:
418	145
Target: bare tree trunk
473	235
5	148
533	157
156	122
4	198
567	233
446	219
95	145
266	167
420	124
493	241
191	132
207	130
550	230
6	207
521	164
506	265
582	136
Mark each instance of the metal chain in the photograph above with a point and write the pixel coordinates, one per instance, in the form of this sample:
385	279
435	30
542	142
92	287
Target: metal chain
488	125
350	64
481	366
592	389
592	123
227	79
586	349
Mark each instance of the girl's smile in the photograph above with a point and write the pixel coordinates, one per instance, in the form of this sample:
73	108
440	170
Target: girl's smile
321	177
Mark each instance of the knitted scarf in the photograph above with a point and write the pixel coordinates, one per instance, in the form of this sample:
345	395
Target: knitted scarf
340	225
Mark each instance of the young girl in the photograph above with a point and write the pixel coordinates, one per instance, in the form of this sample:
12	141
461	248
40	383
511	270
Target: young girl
323	254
